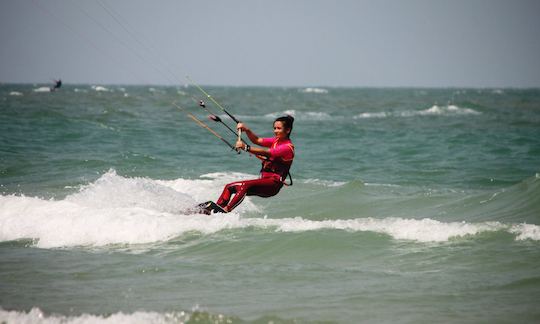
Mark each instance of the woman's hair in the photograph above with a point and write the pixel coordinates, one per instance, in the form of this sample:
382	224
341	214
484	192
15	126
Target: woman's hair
287	121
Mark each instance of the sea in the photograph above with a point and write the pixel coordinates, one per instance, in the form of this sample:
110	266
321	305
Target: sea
408	205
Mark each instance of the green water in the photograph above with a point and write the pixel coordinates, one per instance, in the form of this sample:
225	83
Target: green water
409	205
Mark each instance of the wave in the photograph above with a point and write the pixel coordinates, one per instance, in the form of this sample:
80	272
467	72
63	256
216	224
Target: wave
299	115
435	110
314	90
520	202
420	230
326	183
36	315
53	224
118	210
517	203
156	91
100	89
42	89
114	210
450	110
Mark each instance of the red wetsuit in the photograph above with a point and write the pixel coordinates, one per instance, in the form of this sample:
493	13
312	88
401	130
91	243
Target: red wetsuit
273	174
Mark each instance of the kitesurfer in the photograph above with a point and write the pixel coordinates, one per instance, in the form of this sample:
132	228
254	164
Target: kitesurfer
276	153
57	84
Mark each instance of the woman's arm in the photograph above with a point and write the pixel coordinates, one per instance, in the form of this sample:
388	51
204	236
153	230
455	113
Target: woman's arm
261	151
254	138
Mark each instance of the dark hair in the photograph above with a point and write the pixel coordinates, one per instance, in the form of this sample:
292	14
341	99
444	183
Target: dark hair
287	121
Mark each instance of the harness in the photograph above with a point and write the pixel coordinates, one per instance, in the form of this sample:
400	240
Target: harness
278	166
273	166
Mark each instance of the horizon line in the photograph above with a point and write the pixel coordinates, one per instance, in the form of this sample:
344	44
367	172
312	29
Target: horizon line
2	83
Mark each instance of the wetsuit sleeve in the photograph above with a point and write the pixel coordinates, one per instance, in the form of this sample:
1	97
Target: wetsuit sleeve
285	152
267	142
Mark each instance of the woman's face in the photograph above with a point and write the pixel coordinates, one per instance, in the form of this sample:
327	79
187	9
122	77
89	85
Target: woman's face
280	131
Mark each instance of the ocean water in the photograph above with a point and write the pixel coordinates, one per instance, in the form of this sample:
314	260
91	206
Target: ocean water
408	206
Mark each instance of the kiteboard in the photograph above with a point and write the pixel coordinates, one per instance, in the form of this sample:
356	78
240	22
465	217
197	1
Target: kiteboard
208	207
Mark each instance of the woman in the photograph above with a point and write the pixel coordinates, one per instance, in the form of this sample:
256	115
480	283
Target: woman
276	153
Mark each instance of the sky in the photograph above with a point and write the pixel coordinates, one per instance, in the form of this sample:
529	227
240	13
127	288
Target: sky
340	43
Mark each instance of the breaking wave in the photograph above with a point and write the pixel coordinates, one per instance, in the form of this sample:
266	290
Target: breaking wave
119	210
450	110
36	315
435	110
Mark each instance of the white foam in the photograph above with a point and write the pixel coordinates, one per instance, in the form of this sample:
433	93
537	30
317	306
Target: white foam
64	224
119	210
42	89
156	91
381	114
435	110
387	185
279	114
423	230
116	210
100	88
326	183
445	110
210	186
315	90
15	93
113	191
35	315
526	232
308	115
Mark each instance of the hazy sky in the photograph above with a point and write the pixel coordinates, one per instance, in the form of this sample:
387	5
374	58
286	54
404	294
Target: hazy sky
431	43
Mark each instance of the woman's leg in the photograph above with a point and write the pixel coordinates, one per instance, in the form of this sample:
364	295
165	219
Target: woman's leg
265	187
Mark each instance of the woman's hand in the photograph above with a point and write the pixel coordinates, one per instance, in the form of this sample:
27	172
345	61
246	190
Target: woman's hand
242	127
252	136
240	145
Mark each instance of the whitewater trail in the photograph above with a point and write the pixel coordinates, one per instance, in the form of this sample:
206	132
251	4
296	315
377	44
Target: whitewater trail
118	210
